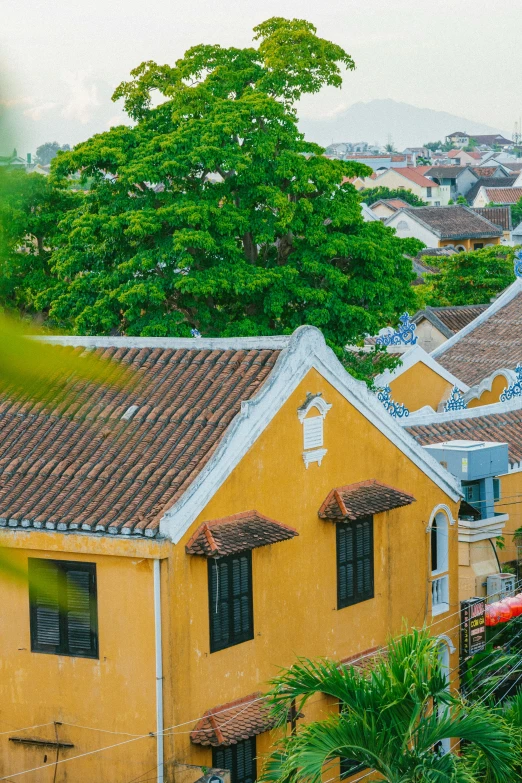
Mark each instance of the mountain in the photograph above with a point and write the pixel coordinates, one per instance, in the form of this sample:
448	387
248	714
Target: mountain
378	120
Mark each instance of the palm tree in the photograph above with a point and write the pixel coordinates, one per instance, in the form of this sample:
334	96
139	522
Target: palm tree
393	719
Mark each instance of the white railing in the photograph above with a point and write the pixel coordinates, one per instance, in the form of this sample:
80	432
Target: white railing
439	595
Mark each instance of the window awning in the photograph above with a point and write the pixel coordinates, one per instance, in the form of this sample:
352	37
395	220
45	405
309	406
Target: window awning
237	533
233	722
363	499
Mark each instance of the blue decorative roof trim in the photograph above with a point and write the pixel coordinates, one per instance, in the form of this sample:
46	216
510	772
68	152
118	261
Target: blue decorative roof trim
515	390
404	335
518	264
456	401
395	409
195	333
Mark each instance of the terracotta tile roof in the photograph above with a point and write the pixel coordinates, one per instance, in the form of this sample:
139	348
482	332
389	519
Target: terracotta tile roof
363	499
491	138
488	181
447	172
415	176
500	216
450	320
230	723
453	222
499	195
237	533
493	344
485	171
504	427
515	166
366	660
87	468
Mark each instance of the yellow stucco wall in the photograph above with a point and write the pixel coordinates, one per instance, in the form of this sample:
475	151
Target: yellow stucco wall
510	503
490	397
419	386
295	612
468	244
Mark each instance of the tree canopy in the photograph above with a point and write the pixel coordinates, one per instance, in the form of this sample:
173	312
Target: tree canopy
46	152
469	278
371	195
213	213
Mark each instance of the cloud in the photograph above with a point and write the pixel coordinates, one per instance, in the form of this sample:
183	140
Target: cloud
35	112
83	98
115	120
12	102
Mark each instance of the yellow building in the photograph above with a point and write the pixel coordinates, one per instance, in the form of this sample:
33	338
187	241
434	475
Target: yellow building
500	422
454	225
480	359
187	537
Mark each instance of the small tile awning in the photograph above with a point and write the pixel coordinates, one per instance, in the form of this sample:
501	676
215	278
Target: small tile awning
363	499
237	533
230	723
366	660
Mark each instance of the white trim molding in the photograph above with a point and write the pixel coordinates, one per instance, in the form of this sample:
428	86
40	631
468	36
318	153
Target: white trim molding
409	359
306	349
486	384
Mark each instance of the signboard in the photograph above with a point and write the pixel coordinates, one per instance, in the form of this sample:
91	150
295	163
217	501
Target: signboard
473	626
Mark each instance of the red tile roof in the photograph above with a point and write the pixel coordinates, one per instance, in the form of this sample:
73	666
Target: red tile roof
84	467
416	176
503	195
230	723
237	533
500	216
450	319
366	660
493	344
503	427
362	499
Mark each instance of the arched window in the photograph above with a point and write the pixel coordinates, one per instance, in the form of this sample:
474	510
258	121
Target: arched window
311	415
402	226
438	531
460	248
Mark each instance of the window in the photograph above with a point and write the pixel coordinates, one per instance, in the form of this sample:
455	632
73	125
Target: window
240	759
402	226
230	600
313	428
349	767
478	245
428	192
62	608
313	432
354	561
438	532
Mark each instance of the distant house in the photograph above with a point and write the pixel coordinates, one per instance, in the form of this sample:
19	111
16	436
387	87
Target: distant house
15	160
516	235
489	182
413	179
461	158
458	139
453	181
497	195
501	217
455	225
387	206
385	161
367	214
435	325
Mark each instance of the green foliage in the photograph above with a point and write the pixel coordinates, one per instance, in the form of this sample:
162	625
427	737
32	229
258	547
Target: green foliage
46	152
212	212
30	208
472	277
371	195
444	146
516	213
387	721
462	200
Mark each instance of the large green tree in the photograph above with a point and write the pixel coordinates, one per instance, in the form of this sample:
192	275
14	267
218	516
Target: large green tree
30	209
371	195
45	153
213	213
469	278
391	719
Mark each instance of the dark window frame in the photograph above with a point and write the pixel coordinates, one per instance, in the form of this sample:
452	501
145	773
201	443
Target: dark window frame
219	762
358	596
233	638
35	593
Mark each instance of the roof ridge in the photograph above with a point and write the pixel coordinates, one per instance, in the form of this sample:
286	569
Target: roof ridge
424	416
272	342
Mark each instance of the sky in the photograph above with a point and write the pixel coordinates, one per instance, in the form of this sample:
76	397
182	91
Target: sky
60	60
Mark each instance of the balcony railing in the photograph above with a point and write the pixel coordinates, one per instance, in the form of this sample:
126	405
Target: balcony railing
439	595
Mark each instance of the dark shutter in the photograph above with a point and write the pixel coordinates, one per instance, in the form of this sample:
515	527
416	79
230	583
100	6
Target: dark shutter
80	623
434	548
63	611
44	591
240	759
354	561
230	600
